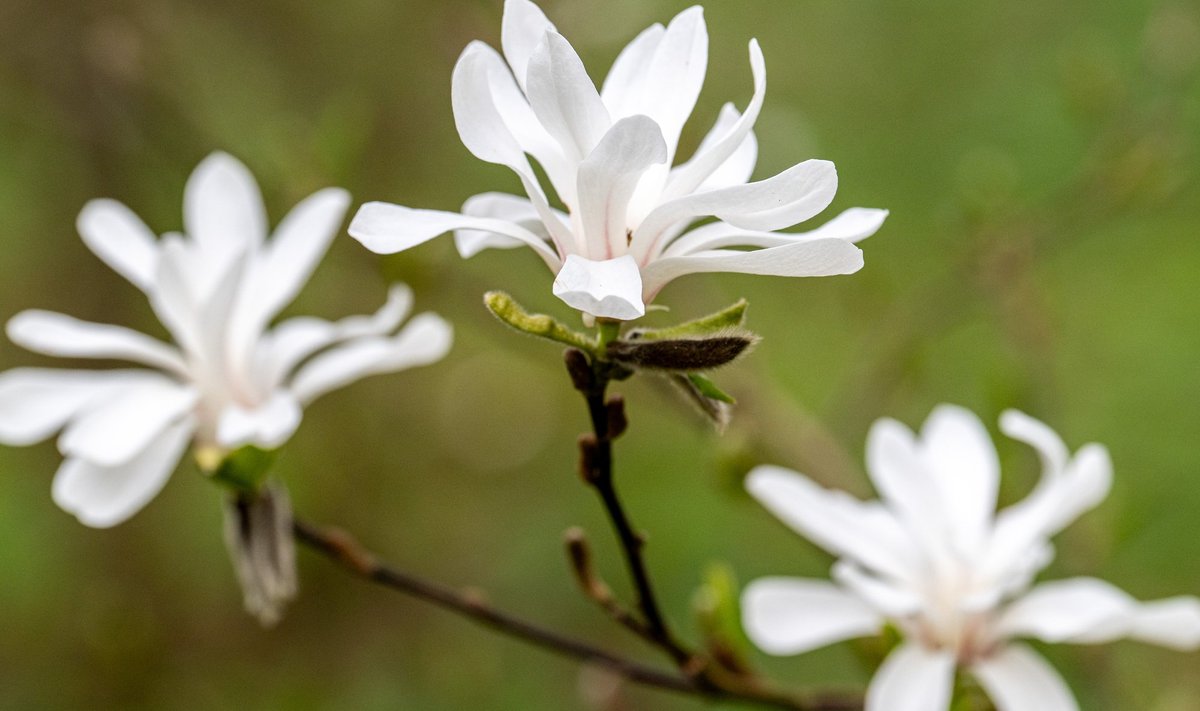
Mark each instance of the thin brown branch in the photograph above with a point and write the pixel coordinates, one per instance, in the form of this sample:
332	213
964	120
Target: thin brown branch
343	549
591	378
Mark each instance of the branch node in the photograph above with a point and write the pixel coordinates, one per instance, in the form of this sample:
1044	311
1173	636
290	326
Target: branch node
580	555
617	420
580	370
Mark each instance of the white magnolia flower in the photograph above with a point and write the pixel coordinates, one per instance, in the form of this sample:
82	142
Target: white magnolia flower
934	559
609	158
229	379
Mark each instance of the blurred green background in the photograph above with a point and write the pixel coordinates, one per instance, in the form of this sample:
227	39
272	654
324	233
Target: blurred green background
1040	162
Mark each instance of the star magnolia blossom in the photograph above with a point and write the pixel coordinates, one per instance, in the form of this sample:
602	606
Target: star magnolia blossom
935	560
608	156
229	380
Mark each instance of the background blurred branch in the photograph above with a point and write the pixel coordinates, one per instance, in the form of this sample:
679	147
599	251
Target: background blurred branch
343	549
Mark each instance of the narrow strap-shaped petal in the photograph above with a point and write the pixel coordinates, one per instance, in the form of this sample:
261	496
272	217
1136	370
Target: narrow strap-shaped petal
116	430
964	466
1078	609
824	257
853	225
739	166
120	239
67	337
891	599
222	206
668	80
485	133
425	339
521	30
512	107
607	179
834	520
500	206
792	615
1018	679
622	85
907	485
610	288
105	496
277	273
913	678
1091	611
295	250
386	229
690	175
564	98
1174	623
1037	434
36	402
1058	499
295	340
786	199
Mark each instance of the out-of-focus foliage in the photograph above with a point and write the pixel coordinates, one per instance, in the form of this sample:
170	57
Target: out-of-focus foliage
1040	161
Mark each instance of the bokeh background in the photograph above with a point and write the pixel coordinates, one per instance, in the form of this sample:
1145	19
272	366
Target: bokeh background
1040	162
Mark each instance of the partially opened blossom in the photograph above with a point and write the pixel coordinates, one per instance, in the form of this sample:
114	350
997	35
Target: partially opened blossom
934	559
229	379
610	158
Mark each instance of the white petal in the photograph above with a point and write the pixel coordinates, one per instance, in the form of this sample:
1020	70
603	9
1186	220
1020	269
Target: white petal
386	229
607	179
668	81
606	289
294	340
962	460
105	496
522	28
194	296
791	197
1090	611
890	599
622	86
298	245
825	257
853	225
913	678
267	426
834	520
1068	610
493	84
1018	679
478	89
689	176
790	615
1087	482
424	340
905	483
1058	500
1173	623
564	98
739	166
120	239
1037	434
222	207
35	402
112	432
66	337
500	206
